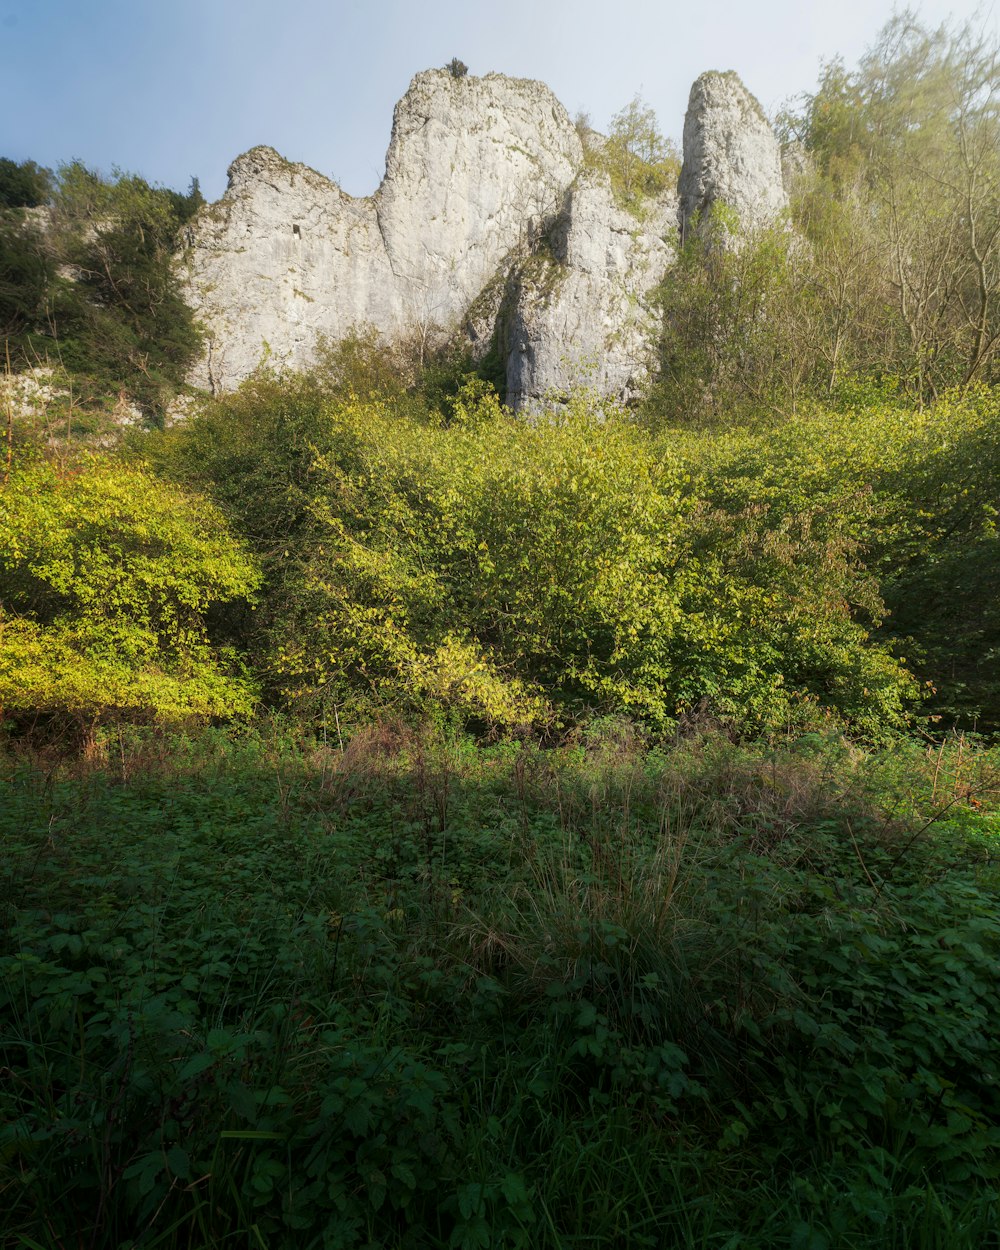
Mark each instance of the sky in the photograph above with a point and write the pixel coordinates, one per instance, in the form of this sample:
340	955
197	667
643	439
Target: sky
175	89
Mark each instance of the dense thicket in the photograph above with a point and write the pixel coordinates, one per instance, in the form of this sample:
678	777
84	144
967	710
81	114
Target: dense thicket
916	491
521	574
87	283
525	573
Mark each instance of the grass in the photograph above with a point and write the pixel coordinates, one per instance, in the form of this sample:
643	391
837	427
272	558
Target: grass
417	993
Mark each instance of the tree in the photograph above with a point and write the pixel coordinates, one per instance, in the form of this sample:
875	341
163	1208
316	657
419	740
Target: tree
913	136
27	272
841	327
24	185
97	291
638	158
736	323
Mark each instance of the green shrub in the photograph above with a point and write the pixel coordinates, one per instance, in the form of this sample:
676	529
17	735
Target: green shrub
106	582
522	572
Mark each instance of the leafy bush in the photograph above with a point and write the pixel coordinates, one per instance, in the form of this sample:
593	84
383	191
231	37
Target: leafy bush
909	500
525	573
106	582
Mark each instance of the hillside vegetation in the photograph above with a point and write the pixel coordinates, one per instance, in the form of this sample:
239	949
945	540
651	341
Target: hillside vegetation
87	285
423	826
887	284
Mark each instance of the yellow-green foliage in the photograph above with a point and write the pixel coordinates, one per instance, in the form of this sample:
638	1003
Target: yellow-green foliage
638	159
521	572
106	577
517	573
511	539
915	496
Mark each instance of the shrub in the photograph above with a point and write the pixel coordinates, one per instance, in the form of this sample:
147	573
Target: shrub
107	579
515	572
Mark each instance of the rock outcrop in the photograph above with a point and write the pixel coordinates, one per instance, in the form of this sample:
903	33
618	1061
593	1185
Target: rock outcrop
731	155
581	313
474	166
489	223
283	258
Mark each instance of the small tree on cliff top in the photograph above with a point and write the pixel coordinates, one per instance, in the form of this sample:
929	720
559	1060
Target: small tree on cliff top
637	156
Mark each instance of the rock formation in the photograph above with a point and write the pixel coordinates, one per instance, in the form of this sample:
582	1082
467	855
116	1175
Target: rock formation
489	223
731	155
581	313
474	166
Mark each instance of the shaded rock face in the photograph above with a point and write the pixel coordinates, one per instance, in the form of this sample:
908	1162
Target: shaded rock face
486	225
285	256
731	155
582	315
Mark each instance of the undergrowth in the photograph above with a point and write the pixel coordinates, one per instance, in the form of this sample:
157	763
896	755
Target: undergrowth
418	993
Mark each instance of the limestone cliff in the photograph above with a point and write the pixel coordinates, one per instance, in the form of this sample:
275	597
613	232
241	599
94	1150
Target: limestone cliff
731	155
285	256
486	224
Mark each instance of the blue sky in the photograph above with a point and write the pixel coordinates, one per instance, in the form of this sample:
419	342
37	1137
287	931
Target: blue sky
175	88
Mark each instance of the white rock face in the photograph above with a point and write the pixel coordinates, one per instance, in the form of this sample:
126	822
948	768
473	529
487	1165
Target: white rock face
285	256
475	165
486	223
730	155
582	316
40	395
30	394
